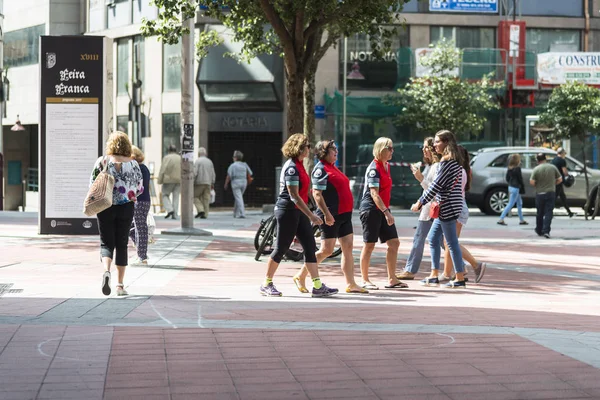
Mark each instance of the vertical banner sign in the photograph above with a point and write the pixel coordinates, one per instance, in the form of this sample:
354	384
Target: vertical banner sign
72	77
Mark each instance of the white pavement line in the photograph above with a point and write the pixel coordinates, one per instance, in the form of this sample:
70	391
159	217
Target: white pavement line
43	353
161	316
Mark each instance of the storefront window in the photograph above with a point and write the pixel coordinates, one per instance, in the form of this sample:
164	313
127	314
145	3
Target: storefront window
172	68
122	66
171	132
21	47
465	37
548	40
366	72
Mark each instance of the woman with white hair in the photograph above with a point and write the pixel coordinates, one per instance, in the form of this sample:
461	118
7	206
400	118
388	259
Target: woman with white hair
239	175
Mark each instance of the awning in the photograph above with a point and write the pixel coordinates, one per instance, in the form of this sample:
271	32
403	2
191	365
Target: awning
226	84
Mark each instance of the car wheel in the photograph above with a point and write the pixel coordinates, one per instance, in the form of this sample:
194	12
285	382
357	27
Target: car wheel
495	201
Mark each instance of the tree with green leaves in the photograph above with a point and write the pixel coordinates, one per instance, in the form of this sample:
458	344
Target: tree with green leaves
300	31
441	99
573	110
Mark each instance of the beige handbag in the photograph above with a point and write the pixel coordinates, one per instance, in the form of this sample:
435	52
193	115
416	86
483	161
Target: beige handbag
100	195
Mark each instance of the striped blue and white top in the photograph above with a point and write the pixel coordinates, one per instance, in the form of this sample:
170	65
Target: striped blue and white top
446	188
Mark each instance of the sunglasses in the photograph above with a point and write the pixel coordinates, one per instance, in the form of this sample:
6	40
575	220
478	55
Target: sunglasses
331	145
307	146
390	148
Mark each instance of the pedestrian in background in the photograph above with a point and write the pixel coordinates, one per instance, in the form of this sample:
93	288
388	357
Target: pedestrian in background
425	178
114	222
545	177
294	217
332	194
376	217
560	164
516	187
446	189
170	179
239	175
139	231
204	182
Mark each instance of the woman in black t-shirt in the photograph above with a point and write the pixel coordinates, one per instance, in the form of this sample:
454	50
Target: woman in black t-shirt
516	187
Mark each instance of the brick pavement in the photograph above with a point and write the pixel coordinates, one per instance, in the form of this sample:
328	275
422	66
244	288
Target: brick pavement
195	327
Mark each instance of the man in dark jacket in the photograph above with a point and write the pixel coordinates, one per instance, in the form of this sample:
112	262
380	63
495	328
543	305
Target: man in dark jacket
560	163
544	177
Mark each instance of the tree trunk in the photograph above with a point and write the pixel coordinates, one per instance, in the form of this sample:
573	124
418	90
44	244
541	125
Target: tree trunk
309	112
295	103
309	104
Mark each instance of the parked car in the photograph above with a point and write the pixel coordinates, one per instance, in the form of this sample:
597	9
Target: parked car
489	190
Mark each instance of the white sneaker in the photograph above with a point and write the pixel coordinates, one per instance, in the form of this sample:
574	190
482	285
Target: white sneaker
138	261
121	290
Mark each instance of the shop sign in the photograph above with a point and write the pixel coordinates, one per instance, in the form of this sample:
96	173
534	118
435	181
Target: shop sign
245	122
559	68
474	6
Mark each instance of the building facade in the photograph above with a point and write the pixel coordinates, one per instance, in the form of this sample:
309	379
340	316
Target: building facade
242	106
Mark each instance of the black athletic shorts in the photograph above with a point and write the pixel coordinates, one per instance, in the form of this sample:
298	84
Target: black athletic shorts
342	227
375	226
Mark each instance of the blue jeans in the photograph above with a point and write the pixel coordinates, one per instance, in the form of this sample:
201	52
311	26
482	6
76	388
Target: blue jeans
545	207
515	198
416	253
448	230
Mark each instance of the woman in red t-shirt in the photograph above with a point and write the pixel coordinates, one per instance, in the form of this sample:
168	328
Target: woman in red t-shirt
294	217
375	215
331	191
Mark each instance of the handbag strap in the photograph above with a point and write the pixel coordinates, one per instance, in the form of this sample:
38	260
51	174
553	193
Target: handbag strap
454	184
104	164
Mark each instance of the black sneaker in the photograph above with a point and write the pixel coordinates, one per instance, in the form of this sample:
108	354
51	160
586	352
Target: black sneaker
324	291
430	281
456	285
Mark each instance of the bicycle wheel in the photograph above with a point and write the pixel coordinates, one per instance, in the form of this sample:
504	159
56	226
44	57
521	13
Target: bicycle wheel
317	234
261	231
267	239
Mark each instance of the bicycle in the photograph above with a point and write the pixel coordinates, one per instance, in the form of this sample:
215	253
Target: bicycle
267	233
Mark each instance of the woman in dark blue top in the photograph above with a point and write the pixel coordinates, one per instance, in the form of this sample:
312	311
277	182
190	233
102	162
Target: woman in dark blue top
139	228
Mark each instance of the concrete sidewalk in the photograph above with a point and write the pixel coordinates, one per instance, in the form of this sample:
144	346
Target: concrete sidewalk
194	325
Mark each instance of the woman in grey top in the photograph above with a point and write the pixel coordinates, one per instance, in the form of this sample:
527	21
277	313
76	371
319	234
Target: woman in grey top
238	174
